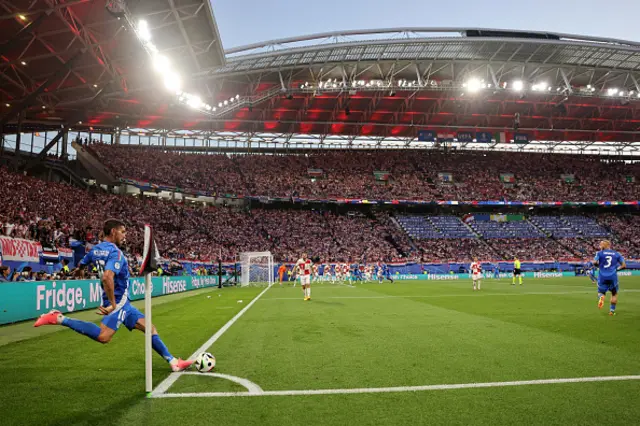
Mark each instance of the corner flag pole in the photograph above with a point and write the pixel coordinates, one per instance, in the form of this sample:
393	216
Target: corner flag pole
149	265
147	333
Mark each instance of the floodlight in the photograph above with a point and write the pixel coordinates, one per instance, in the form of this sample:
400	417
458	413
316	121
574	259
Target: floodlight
517	85
474	85
143	30
172	81
160	63
194	102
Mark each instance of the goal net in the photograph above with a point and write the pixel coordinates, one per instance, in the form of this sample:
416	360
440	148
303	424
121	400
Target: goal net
256	268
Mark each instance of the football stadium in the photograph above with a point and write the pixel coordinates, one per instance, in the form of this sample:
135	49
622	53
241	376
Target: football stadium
372	227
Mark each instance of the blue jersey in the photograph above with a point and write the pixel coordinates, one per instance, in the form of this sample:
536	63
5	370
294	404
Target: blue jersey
107	256
608	262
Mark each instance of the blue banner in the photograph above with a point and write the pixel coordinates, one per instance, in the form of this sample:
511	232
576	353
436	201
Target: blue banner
426	136
484	137
465	137
521	138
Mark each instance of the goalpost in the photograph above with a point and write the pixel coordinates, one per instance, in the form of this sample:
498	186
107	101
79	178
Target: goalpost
256	268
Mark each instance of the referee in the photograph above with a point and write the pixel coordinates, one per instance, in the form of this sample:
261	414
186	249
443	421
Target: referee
516	271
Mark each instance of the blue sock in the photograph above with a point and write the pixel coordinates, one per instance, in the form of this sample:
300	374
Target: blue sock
83	327
160	348
613	307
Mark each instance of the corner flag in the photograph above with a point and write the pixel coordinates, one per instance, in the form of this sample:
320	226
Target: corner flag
149	264
151	255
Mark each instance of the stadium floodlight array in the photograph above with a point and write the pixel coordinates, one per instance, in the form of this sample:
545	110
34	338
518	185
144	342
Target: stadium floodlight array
256	268
171	79
472	85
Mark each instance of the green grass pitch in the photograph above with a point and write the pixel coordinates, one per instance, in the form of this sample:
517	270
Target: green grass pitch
411	333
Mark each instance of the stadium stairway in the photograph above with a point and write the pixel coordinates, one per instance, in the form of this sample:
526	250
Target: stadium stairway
551	237
390	221
65	171
93	165
241	173
473	231
539	228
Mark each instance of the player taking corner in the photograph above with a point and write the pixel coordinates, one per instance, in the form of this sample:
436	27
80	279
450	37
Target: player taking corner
115	308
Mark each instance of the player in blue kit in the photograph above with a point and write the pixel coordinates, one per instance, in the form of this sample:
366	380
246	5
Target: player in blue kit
113	269
383	271
609	262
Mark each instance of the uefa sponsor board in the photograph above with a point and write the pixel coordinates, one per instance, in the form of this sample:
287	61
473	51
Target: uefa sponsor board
552	274
21	301
490	275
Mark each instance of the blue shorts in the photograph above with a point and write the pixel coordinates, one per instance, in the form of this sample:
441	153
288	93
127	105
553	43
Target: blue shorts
127	315
608	284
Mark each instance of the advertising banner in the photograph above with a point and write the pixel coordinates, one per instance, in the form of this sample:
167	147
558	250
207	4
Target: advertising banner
489	275
484	137
21	301
426	136
465	137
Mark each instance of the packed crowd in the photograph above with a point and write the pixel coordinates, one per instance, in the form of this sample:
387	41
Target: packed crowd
460	250
57	214
625	229
324	235
412	174
541	249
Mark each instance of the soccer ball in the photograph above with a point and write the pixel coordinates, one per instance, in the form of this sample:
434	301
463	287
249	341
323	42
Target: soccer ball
205	362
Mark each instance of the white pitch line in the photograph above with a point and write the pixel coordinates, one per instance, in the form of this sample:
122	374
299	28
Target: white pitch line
402	388
251	387
171	379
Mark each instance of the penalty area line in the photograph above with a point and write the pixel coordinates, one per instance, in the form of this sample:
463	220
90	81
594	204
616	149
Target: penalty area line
173	377
401	388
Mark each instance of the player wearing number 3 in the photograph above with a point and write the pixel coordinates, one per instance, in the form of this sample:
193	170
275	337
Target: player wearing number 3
609	262
115	308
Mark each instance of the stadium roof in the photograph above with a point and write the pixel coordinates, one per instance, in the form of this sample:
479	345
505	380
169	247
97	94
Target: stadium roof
90	59
379	85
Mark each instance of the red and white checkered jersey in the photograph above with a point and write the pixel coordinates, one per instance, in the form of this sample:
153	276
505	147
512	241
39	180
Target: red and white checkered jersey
476	269
304	266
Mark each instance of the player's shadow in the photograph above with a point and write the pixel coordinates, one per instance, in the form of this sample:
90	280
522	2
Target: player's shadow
113	413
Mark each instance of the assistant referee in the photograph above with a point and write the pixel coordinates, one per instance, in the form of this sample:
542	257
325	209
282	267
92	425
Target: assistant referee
516	271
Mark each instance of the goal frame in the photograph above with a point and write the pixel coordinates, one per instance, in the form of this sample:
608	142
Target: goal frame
246	277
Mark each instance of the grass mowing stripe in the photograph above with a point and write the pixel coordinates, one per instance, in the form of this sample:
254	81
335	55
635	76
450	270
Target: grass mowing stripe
433	296
166	383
